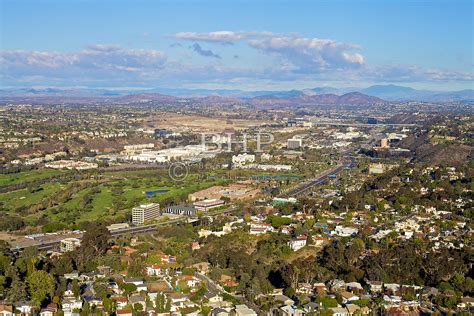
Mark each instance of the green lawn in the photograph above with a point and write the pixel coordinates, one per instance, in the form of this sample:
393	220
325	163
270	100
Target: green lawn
125	189
28	176
15	199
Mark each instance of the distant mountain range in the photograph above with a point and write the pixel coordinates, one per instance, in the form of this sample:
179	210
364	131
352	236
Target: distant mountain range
399	93
352	98
319	95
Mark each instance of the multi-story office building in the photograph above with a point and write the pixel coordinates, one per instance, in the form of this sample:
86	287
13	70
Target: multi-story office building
294	143
145	213
208	204
181	210
69	244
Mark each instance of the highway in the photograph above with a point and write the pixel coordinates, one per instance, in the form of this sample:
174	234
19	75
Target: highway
346	162
53	244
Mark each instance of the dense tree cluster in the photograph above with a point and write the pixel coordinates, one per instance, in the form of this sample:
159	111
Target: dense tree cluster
28	275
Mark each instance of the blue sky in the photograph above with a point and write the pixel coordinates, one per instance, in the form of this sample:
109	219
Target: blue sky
236	44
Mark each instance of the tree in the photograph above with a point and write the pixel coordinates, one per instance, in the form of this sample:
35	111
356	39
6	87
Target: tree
17	290
41	285
75	287
138	307
63	265
95	242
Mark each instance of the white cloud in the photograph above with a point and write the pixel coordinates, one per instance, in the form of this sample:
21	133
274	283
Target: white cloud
411	73
221	37
305	54
310	54
93	60
295	59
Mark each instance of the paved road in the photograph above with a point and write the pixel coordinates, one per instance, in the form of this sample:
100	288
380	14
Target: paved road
50	243
211	285
321	178
216	288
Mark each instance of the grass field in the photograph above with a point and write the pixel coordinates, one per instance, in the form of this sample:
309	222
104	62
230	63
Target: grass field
20	198
109	196
27	176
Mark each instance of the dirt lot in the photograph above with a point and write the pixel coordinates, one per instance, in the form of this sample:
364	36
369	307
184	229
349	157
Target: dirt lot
185	123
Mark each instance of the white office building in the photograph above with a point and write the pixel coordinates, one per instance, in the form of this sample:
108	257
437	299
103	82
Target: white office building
145	213
294	143
69	244
242	159
208	204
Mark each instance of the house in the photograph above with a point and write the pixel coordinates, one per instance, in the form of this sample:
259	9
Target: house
136	281
284	299
466	302
168	259
289	310
177	299
153	270
24	307
190	280
297	243
352	309
220	312
227	280
68	291
311	307
355	287
348	297
49	310
244	310
257	228
94	301
73	275
120	301
141	287
217	301
69	304
287	230
339	311
337	285
319	241
392	288
320	288
214	298
392	299
394	311
113	286
375	286
304	288
342	231
6	310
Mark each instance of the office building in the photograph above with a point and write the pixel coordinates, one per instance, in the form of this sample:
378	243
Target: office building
69	244
181	210
294	143
208	204
145	213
